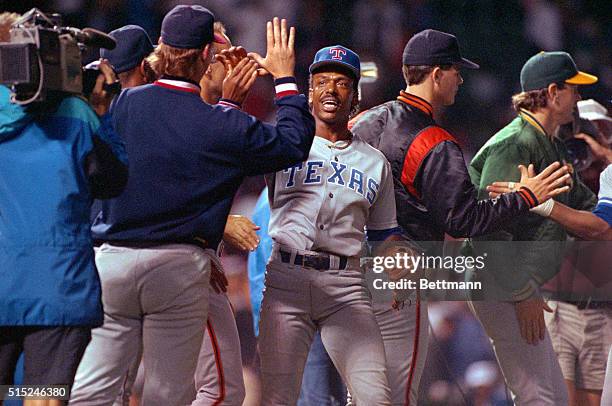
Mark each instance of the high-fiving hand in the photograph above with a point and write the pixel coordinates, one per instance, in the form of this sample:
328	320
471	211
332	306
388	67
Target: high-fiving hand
280	55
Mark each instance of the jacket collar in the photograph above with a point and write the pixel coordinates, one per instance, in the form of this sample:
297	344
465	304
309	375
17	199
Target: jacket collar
527	116
416	101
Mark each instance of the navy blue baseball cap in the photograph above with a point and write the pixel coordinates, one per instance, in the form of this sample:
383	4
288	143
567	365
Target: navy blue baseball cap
339	56
434	48
133	45
188	27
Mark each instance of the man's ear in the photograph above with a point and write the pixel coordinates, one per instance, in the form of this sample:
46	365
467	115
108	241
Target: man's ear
552	91
141	69
436	74
206	52
310	96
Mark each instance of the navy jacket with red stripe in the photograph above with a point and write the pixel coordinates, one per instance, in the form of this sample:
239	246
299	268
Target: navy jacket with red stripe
433	191
189	159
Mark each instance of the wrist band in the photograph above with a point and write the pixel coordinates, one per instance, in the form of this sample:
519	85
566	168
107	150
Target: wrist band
229	103
286	86
527	193
544	209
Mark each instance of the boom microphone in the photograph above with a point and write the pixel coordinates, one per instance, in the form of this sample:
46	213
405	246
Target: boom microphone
93	37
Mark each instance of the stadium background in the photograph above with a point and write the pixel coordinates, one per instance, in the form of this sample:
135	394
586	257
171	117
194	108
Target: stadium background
498	34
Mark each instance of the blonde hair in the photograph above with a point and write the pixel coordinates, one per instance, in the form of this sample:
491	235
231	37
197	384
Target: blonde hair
533	99
6	20
168	60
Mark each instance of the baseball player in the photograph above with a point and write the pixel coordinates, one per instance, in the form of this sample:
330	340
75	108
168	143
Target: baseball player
321	382
589	226
159	237
218	376
219	372
549	84
433	191
319	209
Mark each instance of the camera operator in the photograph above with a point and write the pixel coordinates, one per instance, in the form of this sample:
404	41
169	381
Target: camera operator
56	156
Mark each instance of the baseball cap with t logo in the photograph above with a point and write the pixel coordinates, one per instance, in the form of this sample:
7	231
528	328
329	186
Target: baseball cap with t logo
337	55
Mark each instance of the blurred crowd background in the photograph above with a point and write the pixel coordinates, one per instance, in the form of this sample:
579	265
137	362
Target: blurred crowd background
499	35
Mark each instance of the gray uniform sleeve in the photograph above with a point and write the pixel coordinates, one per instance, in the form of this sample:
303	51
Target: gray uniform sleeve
382	214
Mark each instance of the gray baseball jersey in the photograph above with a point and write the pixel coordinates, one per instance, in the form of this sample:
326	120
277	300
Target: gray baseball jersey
324	204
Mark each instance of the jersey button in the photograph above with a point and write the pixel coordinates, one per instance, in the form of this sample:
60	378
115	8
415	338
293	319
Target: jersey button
331	195
321	227
336	158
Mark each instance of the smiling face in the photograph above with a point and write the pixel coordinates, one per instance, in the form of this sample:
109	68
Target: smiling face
332	95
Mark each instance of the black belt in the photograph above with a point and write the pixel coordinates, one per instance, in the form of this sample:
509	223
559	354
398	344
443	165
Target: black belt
320	261
590	304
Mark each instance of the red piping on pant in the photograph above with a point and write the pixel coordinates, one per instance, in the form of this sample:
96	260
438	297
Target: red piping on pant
218	364
415	348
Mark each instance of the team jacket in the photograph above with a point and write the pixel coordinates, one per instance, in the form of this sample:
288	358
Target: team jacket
524	141
433	191
51	167
188	158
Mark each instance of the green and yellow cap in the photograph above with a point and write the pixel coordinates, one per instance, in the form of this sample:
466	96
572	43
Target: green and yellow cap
552	67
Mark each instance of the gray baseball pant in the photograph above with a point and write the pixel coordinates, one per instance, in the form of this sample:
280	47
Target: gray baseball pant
156	298
532	372
606	396
405	334
218	376
297	301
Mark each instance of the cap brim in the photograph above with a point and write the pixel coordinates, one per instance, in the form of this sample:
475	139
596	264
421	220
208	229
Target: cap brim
318	65
466	63
582	78
595	117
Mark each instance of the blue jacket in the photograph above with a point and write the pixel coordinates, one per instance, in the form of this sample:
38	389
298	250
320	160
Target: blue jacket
51	167
258	259
187	160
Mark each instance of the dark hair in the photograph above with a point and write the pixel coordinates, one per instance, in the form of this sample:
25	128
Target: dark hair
416	74
340	69
533	99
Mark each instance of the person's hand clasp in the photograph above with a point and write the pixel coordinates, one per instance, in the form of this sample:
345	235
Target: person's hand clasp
530	315
280	56
240	73
100	99
552	181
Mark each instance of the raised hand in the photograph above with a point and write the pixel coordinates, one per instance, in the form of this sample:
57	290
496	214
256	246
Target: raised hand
280	55
239	79
551	182
231	56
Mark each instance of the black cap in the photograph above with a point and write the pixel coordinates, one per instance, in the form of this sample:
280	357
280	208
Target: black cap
432	48
188	27
133	45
